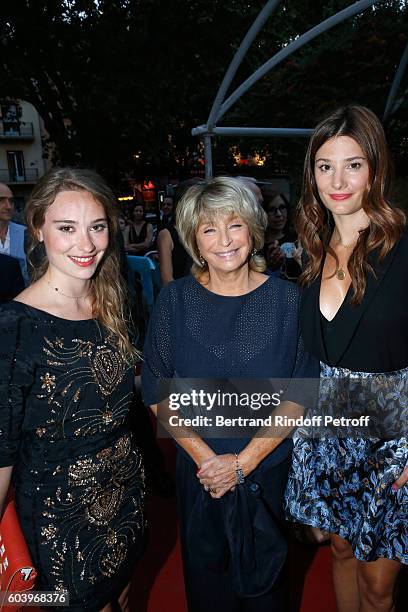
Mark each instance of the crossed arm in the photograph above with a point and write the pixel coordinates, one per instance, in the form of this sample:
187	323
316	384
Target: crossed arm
140	246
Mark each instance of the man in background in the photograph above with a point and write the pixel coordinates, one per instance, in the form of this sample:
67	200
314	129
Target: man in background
166	212
11	234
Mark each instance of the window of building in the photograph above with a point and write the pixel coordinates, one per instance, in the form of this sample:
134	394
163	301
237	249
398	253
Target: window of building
15	160
11	118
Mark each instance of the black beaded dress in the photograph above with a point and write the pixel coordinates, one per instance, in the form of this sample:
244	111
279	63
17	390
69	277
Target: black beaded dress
65	394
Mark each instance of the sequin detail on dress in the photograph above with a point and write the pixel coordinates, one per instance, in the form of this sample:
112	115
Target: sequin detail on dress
98	491
78	364
65	394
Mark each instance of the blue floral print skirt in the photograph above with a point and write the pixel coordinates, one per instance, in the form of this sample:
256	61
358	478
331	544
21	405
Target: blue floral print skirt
344	485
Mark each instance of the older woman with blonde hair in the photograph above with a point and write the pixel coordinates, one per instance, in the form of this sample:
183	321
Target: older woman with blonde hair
66	384
227	319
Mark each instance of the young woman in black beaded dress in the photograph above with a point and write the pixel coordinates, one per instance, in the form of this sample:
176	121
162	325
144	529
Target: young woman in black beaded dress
66	384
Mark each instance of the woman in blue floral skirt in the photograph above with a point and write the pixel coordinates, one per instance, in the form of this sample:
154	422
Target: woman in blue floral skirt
355	320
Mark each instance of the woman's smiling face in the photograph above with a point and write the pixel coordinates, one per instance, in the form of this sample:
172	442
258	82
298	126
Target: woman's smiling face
75	234
342	175
224	243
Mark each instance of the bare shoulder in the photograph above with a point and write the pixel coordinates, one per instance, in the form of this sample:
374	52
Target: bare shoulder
164	237
33	296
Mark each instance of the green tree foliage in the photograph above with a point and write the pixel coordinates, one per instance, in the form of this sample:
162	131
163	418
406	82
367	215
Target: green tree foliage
355	62
120	83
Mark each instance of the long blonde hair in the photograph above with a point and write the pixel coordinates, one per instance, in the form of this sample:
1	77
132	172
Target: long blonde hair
108	292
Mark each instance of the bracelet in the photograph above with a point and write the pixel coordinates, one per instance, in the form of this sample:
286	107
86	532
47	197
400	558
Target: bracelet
238	471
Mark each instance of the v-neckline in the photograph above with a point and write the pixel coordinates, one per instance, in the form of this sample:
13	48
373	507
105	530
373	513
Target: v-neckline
141	228
341	305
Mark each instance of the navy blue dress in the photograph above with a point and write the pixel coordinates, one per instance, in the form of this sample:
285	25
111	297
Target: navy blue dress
344	485
195	333
65	394
233	547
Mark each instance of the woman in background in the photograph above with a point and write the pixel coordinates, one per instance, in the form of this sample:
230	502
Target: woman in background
281	247
122	226
139	233
174	260
354	319
166	212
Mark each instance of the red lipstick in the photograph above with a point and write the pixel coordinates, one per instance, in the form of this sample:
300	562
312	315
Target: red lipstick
84	263
340	196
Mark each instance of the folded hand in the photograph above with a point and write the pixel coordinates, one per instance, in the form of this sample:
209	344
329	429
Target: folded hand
217	474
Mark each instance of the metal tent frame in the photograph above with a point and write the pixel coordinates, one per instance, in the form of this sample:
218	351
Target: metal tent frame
222	104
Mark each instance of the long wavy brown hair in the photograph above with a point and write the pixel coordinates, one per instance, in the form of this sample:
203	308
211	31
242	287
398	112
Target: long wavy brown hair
315	223
108	292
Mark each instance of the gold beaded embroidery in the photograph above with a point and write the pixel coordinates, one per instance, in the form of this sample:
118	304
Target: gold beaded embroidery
106	503
102	486
48	382
89	522
84	364
49	532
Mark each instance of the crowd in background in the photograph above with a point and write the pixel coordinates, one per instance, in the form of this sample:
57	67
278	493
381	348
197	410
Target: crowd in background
69	341
143	234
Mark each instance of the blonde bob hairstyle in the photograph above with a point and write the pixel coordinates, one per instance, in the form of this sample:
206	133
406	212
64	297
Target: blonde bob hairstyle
206	201
108	292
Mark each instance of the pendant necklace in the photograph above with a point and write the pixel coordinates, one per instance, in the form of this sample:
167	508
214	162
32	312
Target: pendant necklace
71	297
340	274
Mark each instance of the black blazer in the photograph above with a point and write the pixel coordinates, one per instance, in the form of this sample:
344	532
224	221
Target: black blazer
11	278
370	337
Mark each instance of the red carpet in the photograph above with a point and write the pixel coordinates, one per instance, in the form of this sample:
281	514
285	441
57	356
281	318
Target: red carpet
158	581
157	585
165	593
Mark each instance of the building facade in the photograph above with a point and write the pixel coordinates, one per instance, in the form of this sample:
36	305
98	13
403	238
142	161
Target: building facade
22	159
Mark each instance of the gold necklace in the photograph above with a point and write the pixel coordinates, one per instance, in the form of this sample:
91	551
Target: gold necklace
340	273
71	297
